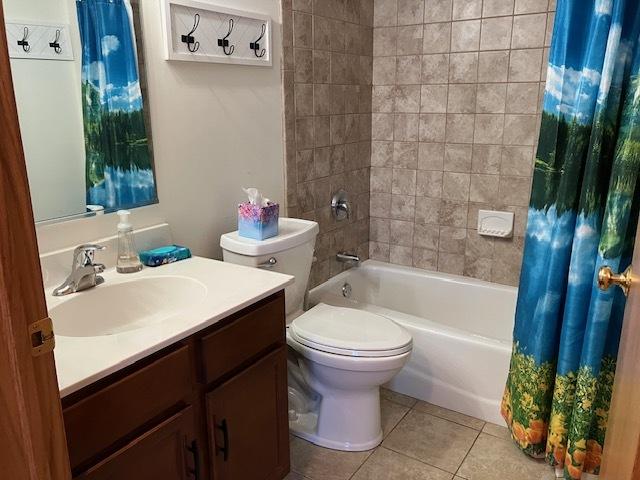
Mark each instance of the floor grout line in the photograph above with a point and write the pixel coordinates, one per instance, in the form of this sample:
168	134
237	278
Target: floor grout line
466	455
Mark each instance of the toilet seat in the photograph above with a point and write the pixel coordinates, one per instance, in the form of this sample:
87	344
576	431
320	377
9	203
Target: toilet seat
349	332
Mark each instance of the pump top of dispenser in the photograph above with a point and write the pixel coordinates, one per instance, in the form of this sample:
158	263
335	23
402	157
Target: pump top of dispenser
124	224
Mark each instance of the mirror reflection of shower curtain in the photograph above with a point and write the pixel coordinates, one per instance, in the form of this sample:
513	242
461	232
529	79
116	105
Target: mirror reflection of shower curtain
119	171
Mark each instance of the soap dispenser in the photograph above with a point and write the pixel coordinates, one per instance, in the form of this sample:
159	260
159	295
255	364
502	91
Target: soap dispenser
128	260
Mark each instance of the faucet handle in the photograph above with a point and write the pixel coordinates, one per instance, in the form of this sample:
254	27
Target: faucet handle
83	254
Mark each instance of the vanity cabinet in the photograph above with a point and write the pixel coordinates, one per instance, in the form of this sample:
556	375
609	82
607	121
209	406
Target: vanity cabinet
212	406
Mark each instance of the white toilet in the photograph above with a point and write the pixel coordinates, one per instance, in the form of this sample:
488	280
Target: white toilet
338	357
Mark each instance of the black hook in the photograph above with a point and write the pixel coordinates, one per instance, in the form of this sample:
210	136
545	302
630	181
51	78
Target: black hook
224	42
255	46
24	43
192	45
56	43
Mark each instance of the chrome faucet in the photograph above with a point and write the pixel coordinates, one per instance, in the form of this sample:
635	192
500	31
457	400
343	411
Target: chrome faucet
84	272
346	257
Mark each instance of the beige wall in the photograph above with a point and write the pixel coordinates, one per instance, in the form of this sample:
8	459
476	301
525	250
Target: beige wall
327	82
456	95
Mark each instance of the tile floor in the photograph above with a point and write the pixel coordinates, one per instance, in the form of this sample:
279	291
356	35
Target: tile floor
422	442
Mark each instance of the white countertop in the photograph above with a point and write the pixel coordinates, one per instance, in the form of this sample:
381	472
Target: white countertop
81	361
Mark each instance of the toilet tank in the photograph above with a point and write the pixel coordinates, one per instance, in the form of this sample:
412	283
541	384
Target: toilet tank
290	252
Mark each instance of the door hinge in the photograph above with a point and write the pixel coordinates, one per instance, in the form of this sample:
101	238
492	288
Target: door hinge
42	337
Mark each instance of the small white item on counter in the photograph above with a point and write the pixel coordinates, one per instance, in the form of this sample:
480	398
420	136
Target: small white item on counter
495	224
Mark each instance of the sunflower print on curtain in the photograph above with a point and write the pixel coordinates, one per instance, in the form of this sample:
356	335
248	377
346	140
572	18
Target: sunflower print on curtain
582	215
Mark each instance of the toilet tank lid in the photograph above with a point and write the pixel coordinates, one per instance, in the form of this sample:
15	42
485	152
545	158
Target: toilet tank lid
291	233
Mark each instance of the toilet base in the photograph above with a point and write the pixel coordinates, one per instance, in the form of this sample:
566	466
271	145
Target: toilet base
305	427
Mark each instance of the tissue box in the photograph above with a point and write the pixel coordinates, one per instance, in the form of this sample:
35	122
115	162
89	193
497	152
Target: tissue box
258	222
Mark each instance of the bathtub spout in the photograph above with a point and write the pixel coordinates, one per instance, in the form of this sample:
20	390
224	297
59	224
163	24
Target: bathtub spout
346	257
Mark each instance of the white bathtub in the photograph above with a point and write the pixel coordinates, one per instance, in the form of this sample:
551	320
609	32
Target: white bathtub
461	331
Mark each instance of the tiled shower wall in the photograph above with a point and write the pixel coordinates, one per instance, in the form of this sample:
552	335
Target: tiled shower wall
327	71
456	92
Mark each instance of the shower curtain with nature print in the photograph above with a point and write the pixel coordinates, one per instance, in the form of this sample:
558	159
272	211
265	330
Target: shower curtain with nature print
582	215
118	160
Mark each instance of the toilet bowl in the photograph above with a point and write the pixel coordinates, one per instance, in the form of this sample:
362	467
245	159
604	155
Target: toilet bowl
338	357
343	355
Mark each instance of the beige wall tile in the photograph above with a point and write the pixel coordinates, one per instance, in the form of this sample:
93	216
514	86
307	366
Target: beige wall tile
452	263
489	129
493	66
382	98
432	127
409	39
403	207
400	255
436	38
381	179
410	12
405	155
380	230
302	30
457	158
429	183
460	128
385	41
435	68
382	154
530	6
407	98
496	33
384	71
491	98
381	205
385	12
401	233
466	9
431	156
462	98
434	98
524	65
405	127
455	186
453	214
426	259
463	67
379	251
494	8
484	188
382	126
465	36
408	69
529	31
515	190
517	161
486	159
520	129
522	98
437	11
428	211
426	236
404	181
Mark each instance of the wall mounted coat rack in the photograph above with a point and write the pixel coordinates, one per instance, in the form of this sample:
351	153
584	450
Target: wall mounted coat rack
201	32
39	41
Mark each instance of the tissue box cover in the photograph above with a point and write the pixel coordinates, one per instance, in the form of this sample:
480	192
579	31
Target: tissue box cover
258	222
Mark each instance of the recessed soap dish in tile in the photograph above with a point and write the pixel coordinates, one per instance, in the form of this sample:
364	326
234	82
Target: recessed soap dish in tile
495	224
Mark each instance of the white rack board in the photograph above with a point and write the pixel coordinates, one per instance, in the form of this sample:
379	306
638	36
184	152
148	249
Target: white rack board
39	37
179	17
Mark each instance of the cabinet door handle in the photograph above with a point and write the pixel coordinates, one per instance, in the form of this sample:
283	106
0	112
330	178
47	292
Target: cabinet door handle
193	449
225	436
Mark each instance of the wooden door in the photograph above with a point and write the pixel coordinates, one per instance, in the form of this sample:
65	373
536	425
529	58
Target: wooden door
622	445
168	452
248	424
32	441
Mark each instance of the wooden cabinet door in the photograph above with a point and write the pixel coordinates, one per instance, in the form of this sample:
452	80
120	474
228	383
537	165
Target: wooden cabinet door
248	424
168	452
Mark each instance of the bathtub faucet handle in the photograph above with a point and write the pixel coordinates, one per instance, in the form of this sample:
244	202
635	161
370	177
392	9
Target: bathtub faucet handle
346	257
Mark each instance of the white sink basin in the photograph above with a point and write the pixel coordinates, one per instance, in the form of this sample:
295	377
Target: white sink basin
121	307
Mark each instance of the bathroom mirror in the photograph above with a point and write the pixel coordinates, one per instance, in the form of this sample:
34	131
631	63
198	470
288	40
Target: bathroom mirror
80	87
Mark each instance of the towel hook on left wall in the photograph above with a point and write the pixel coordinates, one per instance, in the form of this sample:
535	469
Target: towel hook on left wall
189	39
24	43
224	41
